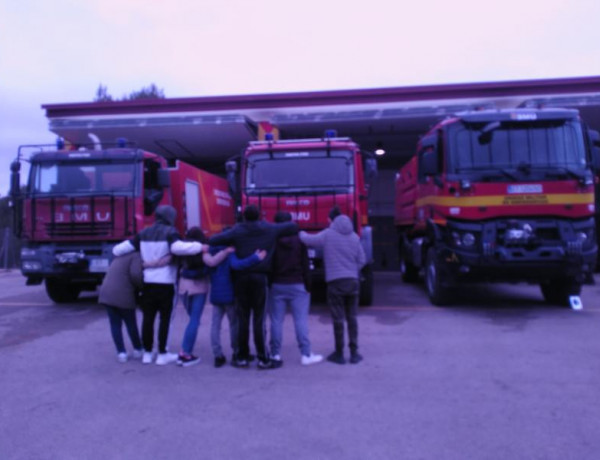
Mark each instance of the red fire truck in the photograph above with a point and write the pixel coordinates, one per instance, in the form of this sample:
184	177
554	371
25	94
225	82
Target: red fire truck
500	196
307	177
78	203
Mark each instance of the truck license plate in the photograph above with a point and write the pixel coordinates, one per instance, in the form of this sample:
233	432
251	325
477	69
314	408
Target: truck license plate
98	265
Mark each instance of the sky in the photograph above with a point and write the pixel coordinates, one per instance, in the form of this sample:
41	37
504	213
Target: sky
60	51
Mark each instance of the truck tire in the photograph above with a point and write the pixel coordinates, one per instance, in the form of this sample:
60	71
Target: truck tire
61	291
365	297
558	291
409	272
437	292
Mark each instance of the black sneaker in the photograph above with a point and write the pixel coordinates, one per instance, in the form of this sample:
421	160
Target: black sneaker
220	361
263	365
276	363
187	360
337	358
238	362
355	357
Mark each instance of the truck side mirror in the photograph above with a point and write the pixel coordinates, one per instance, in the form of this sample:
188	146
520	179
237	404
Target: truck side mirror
164	178
595	149
231	168
370	169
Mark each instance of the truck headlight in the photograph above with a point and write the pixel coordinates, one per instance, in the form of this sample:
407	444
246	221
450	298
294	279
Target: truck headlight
31	265
468	240
462	240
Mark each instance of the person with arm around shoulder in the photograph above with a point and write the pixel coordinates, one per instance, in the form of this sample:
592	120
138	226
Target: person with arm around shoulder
118	295
154	243
222	298
344	257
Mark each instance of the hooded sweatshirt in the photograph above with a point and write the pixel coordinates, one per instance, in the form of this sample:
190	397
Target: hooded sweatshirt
290	262
343	254
157	241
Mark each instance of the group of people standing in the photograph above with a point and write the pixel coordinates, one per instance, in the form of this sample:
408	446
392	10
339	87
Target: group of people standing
254	269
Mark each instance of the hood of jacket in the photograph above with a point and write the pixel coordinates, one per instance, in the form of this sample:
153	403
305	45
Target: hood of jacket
342	224
165	214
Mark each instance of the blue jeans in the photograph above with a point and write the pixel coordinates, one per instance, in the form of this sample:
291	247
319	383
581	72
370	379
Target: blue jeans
194	305
215	330
118	316
296	296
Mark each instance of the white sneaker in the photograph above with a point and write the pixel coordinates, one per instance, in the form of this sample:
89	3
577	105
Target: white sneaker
147	357
276	357
166	358
311	359
122	357
137	354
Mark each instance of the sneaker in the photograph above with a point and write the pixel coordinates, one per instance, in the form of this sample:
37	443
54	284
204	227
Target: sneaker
137	354
238	362
276	362
148	357
263	365
220	361
187	360
337	358
355	357
165	358
311	359
122	357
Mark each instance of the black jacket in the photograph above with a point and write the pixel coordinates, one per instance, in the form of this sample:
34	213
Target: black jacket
247	237
290	262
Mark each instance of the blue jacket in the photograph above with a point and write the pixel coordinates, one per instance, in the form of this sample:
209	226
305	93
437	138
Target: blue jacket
221	282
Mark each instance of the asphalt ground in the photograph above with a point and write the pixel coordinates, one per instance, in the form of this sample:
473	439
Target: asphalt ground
498	375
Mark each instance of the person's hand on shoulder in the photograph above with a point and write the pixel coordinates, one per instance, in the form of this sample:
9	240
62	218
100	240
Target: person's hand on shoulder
261	253
229	249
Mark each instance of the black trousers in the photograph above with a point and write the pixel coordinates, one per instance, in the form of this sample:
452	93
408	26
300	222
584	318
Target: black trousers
342	297
251	296
156	299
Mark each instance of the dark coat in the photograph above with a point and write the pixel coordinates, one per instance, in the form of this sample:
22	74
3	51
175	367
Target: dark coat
290	262
247	237
123	278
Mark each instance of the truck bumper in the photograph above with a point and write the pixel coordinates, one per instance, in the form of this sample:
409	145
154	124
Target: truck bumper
83	263
520	250
504	266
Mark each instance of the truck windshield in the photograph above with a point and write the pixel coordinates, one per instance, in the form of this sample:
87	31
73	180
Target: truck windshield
513	150
73	178
297	172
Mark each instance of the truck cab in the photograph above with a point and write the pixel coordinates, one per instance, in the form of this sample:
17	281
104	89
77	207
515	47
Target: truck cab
499	195
307	177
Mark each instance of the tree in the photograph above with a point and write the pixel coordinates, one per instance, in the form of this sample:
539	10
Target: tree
150	92
102	94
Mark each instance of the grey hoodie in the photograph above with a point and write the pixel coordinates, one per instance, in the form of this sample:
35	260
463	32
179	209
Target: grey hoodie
342	252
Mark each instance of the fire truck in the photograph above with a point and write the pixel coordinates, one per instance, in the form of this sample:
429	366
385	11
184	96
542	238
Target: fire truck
307	177
78	203
500	195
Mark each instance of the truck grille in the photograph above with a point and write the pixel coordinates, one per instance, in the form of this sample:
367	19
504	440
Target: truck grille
79	229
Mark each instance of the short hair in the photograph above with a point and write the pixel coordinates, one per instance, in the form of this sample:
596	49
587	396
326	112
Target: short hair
251	213
196	234
335	211
282	216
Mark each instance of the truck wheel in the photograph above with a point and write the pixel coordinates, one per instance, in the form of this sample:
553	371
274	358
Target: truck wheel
366	286
437	292
558	291
61	291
